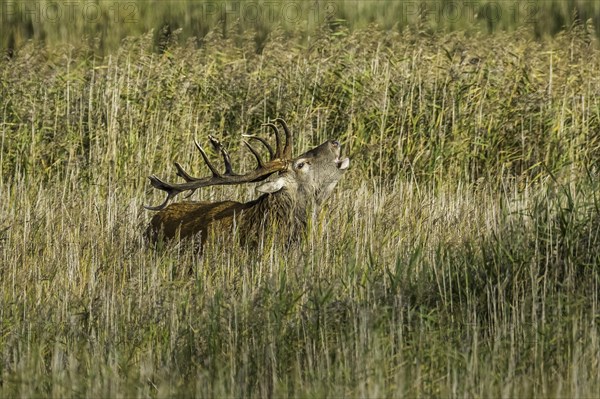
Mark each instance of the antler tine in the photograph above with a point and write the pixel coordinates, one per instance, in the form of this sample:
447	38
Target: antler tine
226	159
188	178
259	160
264	142
212	168
182	173
287	150
278	151
161	185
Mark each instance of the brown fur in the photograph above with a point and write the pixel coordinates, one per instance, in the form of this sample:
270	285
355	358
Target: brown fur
195	219
187	219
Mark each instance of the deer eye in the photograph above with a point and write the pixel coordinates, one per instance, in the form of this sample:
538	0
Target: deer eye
335	143
301	165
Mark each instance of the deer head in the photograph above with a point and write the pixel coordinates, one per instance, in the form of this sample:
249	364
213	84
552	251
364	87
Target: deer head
312	176
290	186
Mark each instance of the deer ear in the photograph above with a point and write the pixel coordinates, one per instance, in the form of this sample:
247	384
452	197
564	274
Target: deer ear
271	186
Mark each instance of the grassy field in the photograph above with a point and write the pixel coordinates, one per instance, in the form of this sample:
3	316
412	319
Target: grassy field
458	256
102	24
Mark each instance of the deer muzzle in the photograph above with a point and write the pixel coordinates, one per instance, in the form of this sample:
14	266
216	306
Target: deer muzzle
343	164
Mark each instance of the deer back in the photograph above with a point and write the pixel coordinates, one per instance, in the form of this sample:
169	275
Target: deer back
187	219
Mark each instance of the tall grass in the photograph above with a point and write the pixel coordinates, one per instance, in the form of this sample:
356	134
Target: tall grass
458	257
102	24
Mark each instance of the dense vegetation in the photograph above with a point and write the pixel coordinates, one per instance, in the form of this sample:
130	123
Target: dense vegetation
458	257
102	24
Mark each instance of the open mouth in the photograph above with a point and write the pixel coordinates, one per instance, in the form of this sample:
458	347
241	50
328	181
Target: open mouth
343	164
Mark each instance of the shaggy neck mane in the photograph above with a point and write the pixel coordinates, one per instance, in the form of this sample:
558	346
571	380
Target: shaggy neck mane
278	209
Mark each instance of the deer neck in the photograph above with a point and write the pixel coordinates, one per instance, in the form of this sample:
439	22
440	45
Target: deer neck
278	209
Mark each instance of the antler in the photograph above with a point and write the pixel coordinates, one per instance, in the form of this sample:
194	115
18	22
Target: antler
278	160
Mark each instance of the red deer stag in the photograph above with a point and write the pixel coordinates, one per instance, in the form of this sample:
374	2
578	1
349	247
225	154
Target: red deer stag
291	187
